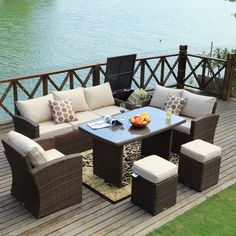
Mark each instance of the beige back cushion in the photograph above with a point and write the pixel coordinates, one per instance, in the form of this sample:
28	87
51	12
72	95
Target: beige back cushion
28	147
75	96
36	109
99	96
160	95
197	105
37	157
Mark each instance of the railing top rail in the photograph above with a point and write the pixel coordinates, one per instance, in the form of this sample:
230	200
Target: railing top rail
50	73
209	58
98	64
75	68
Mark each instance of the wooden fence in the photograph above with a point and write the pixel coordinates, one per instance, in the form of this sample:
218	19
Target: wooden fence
180	70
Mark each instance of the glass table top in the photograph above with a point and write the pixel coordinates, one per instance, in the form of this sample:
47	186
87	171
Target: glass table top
122	134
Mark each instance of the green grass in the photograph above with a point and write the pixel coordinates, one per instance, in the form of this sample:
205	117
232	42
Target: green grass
214	217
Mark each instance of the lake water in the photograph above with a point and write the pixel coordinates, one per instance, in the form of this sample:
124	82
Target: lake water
40	36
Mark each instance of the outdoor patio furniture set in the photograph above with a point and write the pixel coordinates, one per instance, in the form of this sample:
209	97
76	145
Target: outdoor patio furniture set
47	171
55	181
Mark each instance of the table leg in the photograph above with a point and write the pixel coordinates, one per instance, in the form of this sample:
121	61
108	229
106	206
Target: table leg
159	144
108	162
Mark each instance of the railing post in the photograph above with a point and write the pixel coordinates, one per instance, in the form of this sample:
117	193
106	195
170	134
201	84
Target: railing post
96	75
71	79
142	73
15	94
182	65
45	85
203	73
228	78
162	70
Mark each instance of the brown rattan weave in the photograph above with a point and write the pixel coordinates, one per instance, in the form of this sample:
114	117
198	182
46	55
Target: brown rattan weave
201	128
49	187
154	197
108	162
197	175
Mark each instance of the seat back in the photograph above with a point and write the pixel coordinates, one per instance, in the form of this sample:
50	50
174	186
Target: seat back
119	71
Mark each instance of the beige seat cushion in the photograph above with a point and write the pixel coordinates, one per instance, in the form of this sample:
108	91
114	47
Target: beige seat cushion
50	129
154	168
99	96
83	117
185	127
75	96
200	150
160	95
36	109
197	105
109	110
53	154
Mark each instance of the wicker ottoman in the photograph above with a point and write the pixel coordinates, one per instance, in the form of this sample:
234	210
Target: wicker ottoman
154	184
199	164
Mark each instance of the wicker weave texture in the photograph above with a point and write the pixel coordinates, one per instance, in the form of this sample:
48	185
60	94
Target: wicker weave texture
201	128
154	198
197	175
159	144
48	187
108	162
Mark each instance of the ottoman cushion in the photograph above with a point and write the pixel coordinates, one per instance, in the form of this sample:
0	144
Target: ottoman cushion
154	168
200	150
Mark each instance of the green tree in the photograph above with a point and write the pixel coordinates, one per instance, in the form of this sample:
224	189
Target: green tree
232	1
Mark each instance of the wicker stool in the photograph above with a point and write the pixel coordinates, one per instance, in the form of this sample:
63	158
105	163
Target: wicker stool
155	185
199	164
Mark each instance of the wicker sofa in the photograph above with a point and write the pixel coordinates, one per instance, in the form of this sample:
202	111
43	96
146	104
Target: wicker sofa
92	103
199	112
34	118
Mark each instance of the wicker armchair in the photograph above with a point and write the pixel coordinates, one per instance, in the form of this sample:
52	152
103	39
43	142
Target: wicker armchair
46	188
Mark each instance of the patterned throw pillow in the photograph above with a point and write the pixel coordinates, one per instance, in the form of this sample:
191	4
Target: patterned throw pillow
62	111
175	103
138	94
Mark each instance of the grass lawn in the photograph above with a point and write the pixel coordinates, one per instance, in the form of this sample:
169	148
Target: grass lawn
214	217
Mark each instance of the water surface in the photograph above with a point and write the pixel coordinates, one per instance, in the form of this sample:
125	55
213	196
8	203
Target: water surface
45	35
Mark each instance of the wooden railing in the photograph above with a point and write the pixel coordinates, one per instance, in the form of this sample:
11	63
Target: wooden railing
177	70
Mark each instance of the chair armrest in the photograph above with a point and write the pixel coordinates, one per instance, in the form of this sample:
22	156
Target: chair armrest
131	106
204	127
26	126
58	172
47	143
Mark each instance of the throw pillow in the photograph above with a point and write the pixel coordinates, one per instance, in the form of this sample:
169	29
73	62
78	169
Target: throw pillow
138	94
174	103
62	111
160	95
37	157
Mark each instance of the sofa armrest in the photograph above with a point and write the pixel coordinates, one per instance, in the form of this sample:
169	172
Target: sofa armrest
59	172
131	106
204	127
47	143
26	126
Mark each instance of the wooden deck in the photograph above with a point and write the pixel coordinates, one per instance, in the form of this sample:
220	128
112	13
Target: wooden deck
96	216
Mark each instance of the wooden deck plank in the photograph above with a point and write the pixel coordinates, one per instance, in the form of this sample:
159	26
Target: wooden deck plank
96	216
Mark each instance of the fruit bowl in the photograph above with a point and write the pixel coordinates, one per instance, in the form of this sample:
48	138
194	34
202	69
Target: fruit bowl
140	121
139	125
